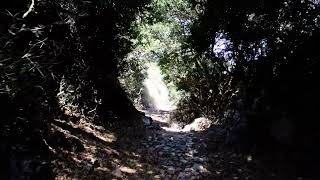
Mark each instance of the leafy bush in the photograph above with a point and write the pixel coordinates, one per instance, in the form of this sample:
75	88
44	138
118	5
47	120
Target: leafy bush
45	44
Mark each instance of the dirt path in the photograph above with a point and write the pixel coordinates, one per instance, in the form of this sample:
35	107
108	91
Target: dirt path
183	155
163	153
176	154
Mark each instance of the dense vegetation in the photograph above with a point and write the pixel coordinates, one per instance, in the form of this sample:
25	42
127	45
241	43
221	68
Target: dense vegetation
66	47
264	79
251	66
270	87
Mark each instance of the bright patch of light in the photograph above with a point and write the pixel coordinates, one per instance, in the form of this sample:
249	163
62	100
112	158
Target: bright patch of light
157	90
251	17
316	2
220	45
221	49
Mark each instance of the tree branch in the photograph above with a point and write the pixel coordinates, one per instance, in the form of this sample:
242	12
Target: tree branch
31	7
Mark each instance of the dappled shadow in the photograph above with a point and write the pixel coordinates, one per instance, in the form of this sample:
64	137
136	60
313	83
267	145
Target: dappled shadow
161	153
169	152
150	157
199	155
102	157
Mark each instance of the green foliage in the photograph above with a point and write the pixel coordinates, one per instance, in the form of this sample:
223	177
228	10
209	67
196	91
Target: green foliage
261	85
66	46
282	28
268	96
160	32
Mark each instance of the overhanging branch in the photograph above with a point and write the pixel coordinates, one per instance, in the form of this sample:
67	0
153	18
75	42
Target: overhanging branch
31	7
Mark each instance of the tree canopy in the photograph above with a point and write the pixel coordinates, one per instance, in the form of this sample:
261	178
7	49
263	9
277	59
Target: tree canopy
251	66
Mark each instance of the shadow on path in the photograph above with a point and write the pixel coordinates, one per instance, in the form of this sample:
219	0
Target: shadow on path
163	153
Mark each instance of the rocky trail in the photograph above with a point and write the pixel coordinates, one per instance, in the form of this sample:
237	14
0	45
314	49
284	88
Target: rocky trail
176	154
164	152
184	154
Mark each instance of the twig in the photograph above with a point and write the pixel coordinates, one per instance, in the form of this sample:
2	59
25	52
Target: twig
4	60
31	7
49	147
